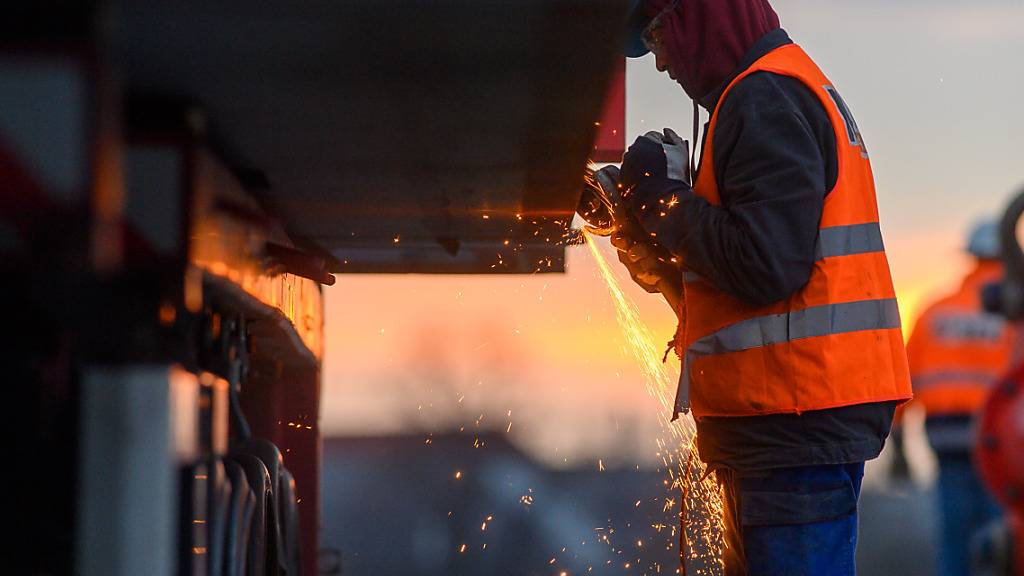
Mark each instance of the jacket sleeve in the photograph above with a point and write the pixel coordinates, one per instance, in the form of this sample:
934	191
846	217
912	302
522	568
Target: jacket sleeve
759	244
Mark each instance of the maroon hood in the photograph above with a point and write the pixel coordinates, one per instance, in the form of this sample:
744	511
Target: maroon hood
707	39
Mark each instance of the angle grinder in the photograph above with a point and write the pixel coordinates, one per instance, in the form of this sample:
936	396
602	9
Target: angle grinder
604	212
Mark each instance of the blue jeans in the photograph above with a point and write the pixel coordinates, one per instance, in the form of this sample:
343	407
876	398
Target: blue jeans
966	508
792	521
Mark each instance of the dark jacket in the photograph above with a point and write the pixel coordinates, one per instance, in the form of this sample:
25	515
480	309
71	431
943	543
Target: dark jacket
775	161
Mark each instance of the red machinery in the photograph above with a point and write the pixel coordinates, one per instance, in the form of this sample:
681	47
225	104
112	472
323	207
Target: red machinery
1001	455
1000	435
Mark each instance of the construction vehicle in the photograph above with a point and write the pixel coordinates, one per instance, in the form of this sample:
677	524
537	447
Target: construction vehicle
179	182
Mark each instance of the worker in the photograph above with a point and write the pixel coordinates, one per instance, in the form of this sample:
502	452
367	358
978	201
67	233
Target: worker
957	351
790	339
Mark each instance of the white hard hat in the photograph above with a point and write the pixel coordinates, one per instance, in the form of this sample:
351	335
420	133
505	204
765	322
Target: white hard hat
984	240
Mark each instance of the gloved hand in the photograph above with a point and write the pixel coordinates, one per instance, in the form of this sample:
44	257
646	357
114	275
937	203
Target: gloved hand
649	265
655	155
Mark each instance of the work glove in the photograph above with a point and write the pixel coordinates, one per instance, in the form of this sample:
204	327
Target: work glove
655	155
649	264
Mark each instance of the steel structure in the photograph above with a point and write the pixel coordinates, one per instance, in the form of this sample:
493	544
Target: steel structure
180	180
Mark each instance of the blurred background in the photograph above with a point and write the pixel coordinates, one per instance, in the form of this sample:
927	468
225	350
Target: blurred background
499	424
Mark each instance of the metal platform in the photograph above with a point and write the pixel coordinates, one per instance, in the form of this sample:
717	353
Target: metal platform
400	135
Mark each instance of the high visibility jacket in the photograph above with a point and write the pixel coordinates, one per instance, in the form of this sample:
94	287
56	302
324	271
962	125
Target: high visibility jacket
957	351
836	341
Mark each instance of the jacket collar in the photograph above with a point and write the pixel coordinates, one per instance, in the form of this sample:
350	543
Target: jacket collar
770	41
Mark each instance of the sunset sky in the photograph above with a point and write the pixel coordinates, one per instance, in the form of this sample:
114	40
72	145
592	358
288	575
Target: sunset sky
936	88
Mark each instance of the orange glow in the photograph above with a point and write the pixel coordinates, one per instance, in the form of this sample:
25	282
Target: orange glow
168	313
527	343
230	250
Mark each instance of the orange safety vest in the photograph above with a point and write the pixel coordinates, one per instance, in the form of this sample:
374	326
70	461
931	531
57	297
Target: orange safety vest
957	351
837	341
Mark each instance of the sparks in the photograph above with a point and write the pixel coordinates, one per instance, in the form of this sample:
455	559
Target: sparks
700	494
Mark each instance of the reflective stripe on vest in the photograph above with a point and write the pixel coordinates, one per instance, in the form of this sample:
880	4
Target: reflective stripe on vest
938	378
849	240
778	328
834	241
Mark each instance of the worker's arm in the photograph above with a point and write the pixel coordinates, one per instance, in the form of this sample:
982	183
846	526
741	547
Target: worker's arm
649	265
774	155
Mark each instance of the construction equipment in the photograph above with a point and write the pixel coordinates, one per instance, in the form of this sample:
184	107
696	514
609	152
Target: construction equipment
178	180
999	450
602	208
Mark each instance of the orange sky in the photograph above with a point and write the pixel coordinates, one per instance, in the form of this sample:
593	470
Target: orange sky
403	350
433	353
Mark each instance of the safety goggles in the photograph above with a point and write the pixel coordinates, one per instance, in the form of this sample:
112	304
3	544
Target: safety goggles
649	34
